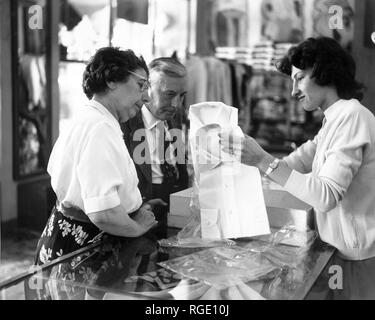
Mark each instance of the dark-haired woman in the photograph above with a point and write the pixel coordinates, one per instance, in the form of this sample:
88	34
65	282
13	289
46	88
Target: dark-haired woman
335	172
92	173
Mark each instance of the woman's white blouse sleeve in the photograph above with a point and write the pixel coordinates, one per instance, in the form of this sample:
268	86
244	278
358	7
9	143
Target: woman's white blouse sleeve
302	158
337	161
99	170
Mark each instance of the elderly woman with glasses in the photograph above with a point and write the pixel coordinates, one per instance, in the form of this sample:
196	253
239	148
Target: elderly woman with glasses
92	173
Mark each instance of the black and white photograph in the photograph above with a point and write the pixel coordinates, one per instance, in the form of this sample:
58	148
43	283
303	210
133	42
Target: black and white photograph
186	154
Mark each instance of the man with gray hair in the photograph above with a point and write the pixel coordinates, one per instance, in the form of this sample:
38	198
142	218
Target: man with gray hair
154	141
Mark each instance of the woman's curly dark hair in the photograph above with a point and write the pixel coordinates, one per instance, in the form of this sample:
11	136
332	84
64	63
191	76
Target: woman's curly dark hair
331	65
109	64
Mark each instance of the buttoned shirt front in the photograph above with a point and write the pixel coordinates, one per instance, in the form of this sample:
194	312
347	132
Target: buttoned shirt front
156	131
90	166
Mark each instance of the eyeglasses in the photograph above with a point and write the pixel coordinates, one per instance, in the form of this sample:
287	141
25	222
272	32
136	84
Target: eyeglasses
145	84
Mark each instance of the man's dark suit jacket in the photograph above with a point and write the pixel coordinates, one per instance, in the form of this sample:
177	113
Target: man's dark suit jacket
144	170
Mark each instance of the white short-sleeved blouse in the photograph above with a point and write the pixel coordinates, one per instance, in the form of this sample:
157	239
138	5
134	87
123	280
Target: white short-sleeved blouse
90	166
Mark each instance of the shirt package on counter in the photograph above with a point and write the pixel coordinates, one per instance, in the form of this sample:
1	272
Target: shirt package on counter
230	194
223	267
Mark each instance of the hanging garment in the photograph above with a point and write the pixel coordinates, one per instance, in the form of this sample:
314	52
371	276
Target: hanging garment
282	21
322	21
219	86
133	10
33	72
231	28
197	80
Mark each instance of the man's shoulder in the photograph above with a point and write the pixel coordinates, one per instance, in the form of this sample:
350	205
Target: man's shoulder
133	124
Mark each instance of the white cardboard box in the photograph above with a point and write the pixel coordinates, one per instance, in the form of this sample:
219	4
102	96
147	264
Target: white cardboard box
179	209
285	209
282	209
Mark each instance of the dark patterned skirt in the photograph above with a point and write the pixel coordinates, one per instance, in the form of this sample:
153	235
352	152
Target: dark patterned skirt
105	266
63	235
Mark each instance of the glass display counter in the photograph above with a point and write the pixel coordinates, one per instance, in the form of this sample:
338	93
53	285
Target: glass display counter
249	269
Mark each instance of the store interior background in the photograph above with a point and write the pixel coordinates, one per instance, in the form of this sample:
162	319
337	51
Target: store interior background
74	29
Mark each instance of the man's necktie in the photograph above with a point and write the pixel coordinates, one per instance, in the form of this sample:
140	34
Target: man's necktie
170	172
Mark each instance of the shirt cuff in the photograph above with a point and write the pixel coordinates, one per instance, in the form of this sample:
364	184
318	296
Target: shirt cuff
101	203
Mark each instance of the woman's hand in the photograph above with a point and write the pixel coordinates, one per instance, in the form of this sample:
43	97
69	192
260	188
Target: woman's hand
249	151
117	222
150	204
145	218
252	154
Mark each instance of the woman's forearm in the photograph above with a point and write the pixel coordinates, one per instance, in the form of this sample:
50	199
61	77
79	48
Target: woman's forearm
117	222
252	154
280	175
313	190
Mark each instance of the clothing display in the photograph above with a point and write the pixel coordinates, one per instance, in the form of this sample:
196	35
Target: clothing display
260	56
210	79
245	270
33	70
225	80
197	76
219	85
283	21
277	121
262	95
222	267
136	11
230	26
229	23
322	21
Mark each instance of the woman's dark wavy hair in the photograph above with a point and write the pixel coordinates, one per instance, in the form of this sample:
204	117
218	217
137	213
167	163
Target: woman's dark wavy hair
109	64
331	65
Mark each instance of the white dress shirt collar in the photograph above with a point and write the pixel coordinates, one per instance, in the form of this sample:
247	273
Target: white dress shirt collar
149	119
